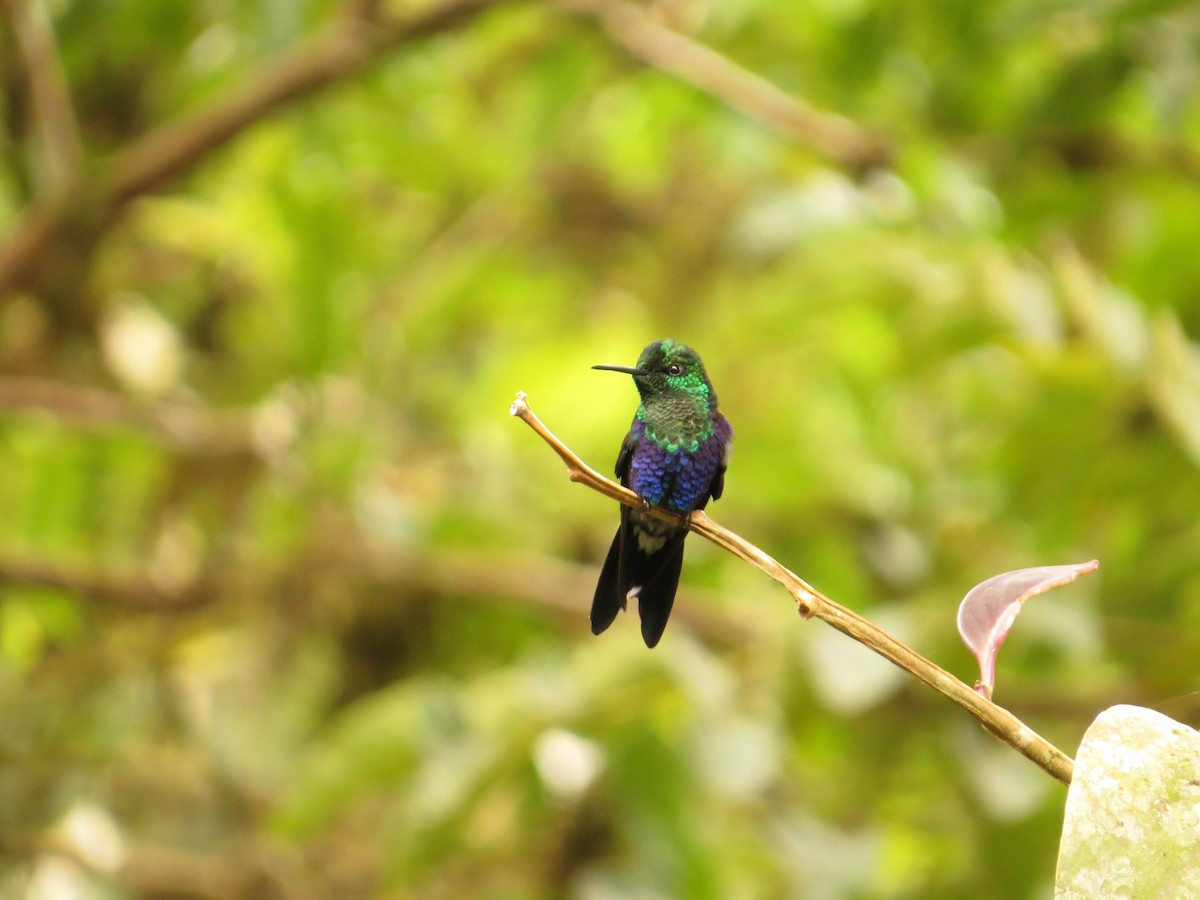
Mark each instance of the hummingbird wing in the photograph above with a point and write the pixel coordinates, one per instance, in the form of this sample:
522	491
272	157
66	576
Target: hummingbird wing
717	452
724	435
609	598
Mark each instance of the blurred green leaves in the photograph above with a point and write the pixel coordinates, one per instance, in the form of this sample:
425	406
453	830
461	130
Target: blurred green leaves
284	381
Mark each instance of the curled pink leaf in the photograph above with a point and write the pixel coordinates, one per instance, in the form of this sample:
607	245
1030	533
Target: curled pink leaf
988	611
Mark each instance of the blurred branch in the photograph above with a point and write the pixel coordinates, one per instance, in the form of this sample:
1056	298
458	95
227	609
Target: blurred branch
811	602
343	49
60	151
192	430
841	140
152	871
537	581
136	590
361	9
1099	150
168	872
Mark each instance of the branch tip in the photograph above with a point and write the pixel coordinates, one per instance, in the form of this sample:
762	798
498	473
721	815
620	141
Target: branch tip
519	406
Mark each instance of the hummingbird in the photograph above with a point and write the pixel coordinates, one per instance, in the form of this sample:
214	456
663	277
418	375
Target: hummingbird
674	458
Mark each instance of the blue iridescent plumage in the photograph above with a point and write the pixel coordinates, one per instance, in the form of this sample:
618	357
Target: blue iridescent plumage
674	457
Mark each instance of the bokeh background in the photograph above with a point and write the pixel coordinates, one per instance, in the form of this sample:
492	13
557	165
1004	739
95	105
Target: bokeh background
291	607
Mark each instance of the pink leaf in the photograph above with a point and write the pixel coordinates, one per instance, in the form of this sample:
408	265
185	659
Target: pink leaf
990	608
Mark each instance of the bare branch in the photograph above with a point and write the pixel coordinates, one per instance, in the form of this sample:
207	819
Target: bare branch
345	48
155	871
364	10
60	151
133	590
193	430
833	136
811	602
536	581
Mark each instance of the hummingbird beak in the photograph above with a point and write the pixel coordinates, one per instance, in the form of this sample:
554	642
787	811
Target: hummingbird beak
628	370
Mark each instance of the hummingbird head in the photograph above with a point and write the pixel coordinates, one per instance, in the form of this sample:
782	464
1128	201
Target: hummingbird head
668	370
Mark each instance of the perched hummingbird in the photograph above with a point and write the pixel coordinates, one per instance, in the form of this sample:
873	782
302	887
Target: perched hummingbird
674	457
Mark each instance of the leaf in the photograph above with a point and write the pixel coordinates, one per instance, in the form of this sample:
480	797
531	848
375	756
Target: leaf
988	611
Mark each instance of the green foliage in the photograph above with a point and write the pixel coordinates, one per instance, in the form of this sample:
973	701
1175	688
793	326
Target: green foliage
975	361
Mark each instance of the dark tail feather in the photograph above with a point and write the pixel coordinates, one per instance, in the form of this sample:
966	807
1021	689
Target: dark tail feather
609	599
656	575
657	594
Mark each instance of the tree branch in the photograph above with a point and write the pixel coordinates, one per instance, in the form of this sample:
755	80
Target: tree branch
133	590
191	430
345	48
60	151
833	136
811	602
535	581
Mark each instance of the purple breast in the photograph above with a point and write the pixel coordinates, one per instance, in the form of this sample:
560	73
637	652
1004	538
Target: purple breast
677	481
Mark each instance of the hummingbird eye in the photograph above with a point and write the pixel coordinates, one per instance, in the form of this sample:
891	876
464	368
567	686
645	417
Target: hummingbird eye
675	369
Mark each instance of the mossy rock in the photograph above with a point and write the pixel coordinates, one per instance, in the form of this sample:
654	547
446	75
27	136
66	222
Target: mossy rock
1132	826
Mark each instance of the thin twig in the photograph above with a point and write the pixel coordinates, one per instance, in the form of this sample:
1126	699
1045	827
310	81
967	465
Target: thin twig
835	137
811	602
